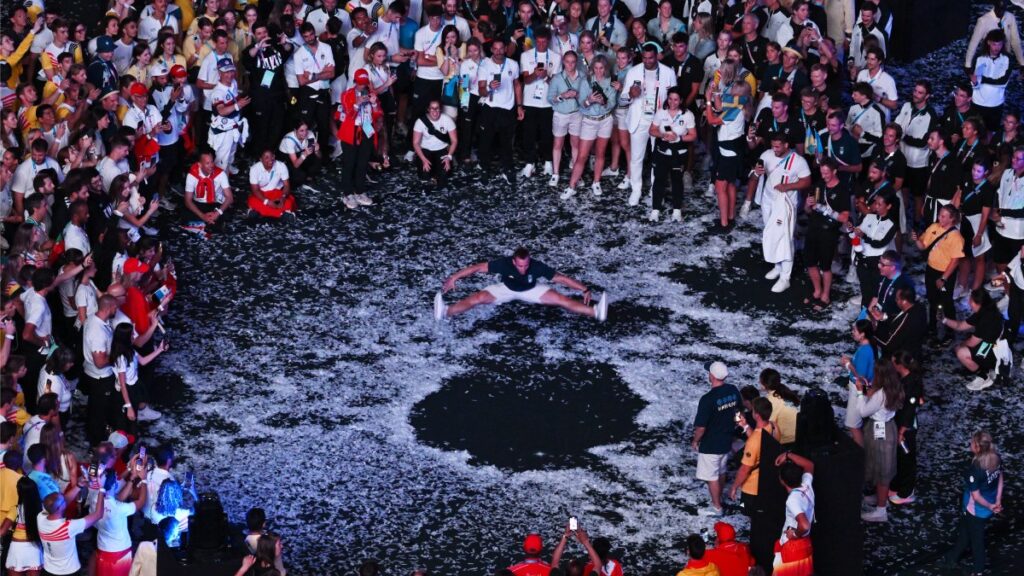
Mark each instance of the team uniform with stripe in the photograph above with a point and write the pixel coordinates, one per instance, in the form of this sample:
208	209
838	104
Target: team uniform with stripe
60	556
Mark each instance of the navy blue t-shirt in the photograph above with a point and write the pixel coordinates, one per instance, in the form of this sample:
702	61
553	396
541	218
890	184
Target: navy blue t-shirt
716	413
515	281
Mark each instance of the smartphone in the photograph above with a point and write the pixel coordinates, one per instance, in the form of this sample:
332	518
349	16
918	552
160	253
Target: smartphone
636	83
666	128
142	451
574	524
161	293
497	77
540	65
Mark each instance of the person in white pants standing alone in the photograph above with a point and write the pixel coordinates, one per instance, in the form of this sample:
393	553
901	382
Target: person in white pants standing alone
647	84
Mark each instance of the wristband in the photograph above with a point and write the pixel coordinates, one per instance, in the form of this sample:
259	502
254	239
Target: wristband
9	336
126	406
219	211
266	202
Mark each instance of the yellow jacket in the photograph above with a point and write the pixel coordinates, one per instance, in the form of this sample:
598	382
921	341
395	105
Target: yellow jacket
14	60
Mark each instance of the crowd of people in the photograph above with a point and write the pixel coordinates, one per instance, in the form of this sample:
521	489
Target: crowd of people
111	130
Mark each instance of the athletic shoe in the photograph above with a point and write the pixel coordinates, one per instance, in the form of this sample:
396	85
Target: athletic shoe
781	285
980	383
897	500
677	215
959	292
409	156
504	177
336	153
876	515
364	200
609	173
687	181
745	209
147	414
655	215
711	189
549	169
440	308
149	231
773	273
711	511
634	198
851	275
601	310
527	171
569	192
596	189
624	185
166	203
350	202
553	181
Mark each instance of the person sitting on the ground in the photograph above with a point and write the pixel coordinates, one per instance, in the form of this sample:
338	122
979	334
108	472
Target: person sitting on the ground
698	564
207	191
271	193
731	557
519	274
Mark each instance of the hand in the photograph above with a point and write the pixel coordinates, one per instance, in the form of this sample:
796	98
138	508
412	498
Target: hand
586	297
634	91
520	113
131	414
860	383
939	283
977	240
568	94
693	444
94	93
974	78
616	85
153	207
447	163
39	23
426	164
856	130
243	101
876	314
247	563
913	235
759	170
494	84
781	459
732	492
671	136
781	187
540	73
809	204
163	346
210	217
449	284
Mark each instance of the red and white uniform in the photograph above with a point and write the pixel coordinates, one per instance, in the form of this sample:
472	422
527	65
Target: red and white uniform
779	209
206	188
60	555
271	184
226	132
531	567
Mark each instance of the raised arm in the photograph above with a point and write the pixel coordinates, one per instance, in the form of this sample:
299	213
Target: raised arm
449	282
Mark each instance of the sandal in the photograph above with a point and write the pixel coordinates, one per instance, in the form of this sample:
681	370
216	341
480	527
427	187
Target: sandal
810	301
822	306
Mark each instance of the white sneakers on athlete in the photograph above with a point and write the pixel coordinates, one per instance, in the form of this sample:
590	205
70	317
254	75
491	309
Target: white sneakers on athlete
677	215
596	189
624	185
781	285
601	309
876	515
655	216
569	192
527	171
147	414
634	198
895	498
553	181
549	169
440	308
609	173
711	511
745	209
363	200
350	202
773	273
980	383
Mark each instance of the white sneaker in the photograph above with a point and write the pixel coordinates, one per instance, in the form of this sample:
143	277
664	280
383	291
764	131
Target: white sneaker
548	168
336	153
894	498
854	302
745	209
166	204
710	511
655	215
980	383
440	308
634	198
677	215
711	189
876	515
350	202
147	414
687	181
553	181
601	310
624	185
569	192
527	171
609	173
781	285
149	231
409	156
364	200
596	189
504	177
773	273
959	293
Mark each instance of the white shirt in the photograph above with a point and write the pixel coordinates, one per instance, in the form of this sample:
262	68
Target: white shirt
308	60
468	70
882	84
426	43
85	296
681	121
444	125
786	170
272	179
222	94
129	369
460	23
149	26
990	95
319	17
122	55
112	530
26	172
60	554
654	85
799	501
208	73
37	312
292	144
33	428
387	33
75	237
110	169
147	118
220	184
153	482
535	94
1011	197
504	95
915	126
356	56
96	337
58	385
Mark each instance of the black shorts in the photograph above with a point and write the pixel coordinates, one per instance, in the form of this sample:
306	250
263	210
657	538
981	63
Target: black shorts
917	181
983	355
820	246
404	78
729	168
1004	249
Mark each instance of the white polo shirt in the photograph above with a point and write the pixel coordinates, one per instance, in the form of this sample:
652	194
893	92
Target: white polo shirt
444	125
503	96
313	61
96	337
427	42
272	179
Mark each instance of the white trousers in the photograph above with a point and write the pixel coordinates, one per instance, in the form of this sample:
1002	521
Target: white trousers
638	144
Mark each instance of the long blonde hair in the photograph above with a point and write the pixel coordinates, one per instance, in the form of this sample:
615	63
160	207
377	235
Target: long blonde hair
987	457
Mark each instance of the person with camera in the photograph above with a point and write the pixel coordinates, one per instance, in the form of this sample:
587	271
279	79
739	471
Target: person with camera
301	152
501	92
598	99
58	533
264	60
538	66
793	549
435	139
672	130
827	211
647	85
599	557
359	114
564	96
122	498
228	128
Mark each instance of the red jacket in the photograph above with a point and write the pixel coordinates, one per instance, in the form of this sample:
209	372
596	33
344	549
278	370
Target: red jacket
348	131
732	558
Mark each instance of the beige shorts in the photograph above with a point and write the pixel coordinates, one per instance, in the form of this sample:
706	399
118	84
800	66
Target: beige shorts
620	118
503	294
711	467
562	124
591	129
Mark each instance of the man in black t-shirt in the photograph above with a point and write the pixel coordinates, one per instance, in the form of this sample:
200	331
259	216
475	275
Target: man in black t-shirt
519	275
713	428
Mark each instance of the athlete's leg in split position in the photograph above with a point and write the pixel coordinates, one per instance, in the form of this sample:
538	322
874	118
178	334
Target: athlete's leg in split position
472	301
555	298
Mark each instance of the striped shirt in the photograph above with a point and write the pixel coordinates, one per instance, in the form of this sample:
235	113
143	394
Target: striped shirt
60	556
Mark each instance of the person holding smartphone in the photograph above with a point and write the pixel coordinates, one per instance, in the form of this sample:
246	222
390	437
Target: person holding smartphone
672	130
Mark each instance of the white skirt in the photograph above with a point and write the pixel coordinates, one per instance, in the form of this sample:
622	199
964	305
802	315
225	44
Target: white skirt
24	556
985	245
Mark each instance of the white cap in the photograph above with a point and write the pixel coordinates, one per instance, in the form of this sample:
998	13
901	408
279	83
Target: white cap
717	369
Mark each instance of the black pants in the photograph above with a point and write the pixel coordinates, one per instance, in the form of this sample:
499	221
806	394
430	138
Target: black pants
1014	312
423	92
970	532
266	124
762	539
437	170
34	362
937	298
500	124
354	160
668	170
315	109
905	481
537	137
467	127
104	408
869	277
299	175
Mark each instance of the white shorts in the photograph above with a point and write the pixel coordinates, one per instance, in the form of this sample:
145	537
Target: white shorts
503	294
620	118
24	556
562	124
591	129
853	419
711	467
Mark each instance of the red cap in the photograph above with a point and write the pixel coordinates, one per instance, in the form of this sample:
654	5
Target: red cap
178	71
133	265
138	89
533	544
725	532
362	77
